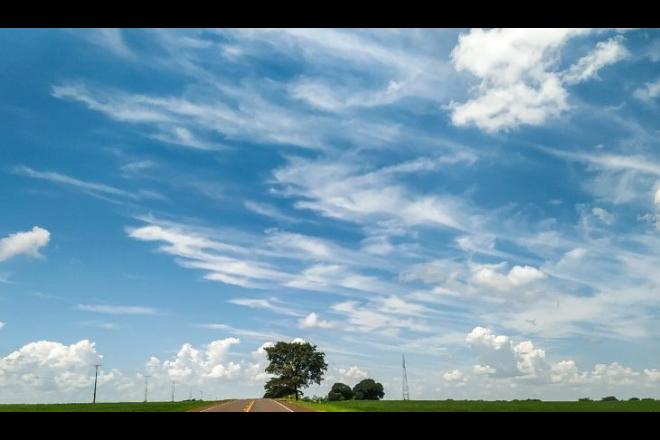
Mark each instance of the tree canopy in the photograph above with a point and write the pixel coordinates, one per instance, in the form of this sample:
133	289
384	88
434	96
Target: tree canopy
368	389
340	391
296	365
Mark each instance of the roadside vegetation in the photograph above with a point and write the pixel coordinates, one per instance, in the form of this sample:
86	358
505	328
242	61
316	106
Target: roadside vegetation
532	405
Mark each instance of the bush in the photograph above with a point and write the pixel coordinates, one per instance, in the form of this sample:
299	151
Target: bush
368	389
340	391
609	399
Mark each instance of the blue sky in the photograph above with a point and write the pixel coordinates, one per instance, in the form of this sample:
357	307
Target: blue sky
485	201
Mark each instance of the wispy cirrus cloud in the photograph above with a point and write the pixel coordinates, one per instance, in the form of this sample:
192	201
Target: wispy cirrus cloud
118	310
92	188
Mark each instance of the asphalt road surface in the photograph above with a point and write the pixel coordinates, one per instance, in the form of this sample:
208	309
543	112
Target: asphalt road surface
254	405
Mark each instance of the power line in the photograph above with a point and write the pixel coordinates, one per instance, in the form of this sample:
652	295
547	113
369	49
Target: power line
96	376
406	394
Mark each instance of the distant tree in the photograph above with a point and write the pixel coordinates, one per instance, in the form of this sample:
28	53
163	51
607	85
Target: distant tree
633	399
584	399
295	365
609	399
368	389
340	391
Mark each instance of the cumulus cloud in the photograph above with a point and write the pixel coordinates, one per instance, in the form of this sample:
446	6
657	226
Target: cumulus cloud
613	374
507	360
518	78
352	375
192	365
51	366
314	321
488	275
24	243
567	372
517	85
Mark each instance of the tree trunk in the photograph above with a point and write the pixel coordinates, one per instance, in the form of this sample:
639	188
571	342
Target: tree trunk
296	390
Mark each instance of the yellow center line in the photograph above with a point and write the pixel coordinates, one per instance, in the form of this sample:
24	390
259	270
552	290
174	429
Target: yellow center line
249	407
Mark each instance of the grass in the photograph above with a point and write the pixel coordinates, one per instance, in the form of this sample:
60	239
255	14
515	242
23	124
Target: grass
106	407
481	406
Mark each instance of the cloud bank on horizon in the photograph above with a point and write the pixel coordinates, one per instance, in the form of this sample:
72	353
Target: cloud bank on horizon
486	201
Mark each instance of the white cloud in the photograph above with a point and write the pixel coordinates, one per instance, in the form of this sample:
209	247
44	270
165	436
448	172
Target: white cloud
567	372
91	188
613	374
652	375
352	375
118	310
366	319
649	91
517	70
334	278
314	321
50	366
110	39
481	370
197	366
604	215
269	211
223	262
605	53
2	324
487	275
517	84
24	243
341	190
454	376
508	360
260	303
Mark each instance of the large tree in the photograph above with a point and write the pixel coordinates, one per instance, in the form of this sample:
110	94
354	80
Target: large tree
340	391
368	389
275	388
296	365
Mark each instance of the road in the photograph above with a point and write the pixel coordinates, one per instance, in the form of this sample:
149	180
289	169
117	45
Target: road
254	405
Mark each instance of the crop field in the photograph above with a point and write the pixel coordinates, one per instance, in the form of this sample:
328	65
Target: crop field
106	407
482	406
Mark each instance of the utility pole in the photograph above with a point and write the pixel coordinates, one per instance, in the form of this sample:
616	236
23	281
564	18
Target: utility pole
146	387
173	386
201	395
96	376
406	394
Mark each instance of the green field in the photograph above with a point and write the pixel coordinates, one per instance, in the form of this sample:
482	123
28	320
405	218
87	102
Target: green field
106	407
480	406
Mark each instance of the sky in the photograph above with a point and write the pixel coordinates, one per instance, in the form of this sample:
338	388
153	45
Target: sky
484	201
